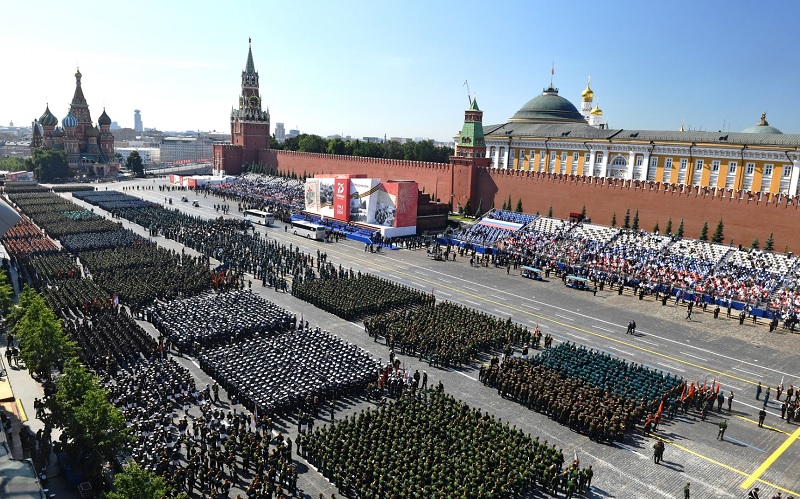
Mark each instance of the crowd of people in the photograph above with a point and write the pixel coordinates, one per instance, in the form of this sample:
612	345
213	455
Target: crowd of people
457	452
445	333
352	296
25	240
211	319
648	261
277	373
262	192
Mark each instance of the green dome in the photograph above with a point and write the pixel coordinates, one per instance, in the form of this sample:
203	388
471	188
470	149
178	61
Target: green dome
48	119
762	127
548	107
92	131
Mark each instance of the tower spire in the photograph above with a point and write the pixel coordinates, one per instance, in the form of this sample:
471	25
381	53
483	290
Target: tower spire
250	68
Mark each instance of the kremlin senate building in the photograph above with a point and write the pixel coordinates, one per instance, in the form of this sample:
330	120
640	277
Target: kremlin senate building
88	148
553	156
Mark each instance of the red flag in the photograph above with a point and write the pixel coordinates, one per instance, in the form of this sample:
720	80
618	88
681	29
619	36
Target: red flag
683	392
718	385
661	407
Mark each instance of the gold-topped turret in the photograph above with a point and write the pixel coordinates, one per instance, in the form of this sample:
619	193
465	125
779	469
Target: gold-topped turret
587	94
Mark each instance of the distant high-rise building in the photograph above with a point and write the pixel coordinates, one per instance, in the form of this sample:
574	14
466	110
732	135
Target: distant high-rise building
280	132
137	121
293	133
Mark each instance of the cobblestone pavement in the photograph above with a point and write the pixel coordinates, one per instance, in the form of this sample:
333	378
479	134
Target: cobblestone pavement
704	349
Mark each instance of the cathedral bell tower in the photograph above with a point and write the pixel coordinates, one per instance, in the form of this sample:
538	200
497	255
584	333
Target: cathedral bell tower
250	123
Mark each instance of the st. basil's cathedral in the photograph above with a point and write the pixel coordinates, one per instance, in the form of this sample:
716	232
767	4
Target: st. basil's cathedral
88	148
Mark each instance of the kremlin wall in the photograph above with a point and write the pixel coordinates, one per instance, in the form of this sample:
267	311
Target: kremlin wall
551	155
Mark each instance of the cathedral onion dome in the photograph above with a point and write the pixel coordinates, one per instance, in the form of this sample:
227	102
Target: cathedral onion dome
596	111
69	121
57	132
762	127
548	107
48	119
92	131
104	120
587	94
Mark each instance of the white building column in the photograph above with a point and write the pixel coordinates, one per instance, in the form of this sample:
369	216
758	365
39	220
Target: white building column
645	169
631	162
590	167
505	157
604	165
793	180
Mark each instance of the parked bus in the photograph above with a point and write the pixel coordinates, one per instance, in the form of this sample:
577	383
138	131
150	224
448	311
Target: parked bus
259	217
308	229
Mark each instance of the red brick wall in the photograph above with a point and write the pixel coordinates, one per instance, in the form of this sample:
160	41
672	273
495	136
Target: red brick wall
744	219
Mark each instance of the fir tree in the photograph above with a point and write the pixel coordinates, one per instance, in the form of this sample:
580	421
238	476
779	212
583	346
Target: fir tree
656	228
669	226
508	203
550	212
626	222
519	206
680	229
769	244
719	236
614	219
755	244
704	232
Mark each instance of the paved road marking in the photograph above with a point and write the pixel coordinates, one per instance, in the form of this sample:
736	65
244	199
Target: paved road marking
694	356
602	328
746	444
765	426
747	372
672	368
444	293
648	342
621	351
564	317
467	375
771	459
472	303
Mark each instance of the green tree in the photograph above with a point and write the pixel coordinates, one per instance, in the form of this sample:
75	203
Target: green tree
467	209
614	219
12	164
43	343
134	163
668	230
769	244
137	483
655	228
704	232
311	143
680	229
336	146
393	150
550	212
26	297
719	235
508	203
519	206
48	164
292	143
583	212
94	428
479	209
626	222
755	244
635	224
425	151
6	293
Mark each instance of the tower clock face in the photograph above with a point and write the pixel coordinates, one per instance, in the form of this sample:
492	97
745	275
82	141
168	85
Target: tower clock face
253	101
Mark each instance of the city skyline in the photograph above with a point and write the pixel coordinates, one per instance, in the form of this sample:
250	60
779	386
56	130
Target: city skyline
359	69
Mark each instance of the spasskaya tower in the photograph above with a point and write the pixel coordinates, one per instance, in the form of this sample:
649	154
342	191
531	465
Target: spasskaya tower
249	125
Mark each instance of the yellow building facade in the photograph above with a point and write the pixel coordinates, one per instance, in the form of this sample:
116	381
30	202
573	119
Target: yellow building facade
549	134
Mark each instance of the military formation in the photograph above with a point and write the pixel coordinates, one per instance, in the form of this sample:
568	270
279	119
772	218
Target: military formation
445	333
193	324
352	296
427	444
278	373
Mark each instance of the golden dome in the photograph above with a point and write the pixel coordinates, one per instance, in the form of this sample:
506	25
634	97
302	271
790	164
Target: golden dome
596	111
587	94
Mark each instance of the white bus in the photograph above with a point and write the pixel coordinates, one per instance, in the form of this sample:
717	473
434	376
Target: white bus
308	229
259	217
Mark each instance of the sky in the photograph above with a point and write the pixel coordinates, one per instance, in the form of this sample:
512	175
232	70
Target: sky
367	68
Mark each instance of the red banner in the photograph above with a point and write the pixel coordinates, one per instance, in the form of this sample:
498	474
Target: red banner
341	199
